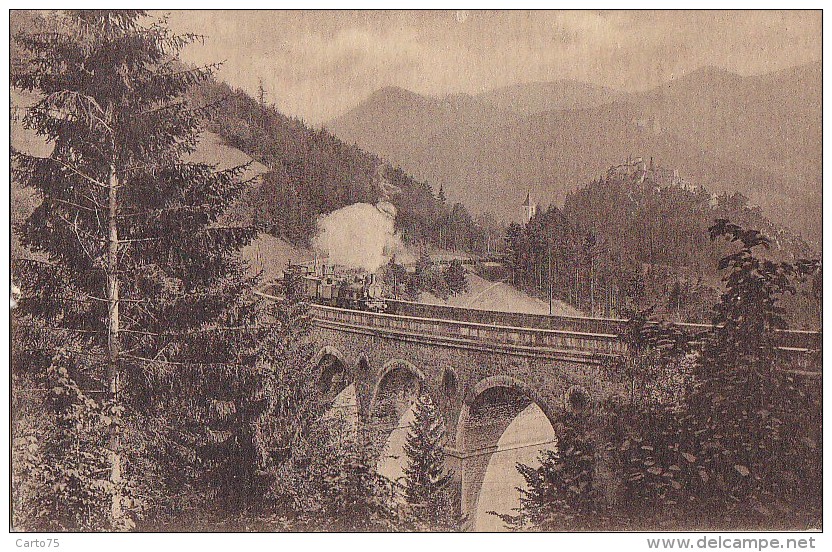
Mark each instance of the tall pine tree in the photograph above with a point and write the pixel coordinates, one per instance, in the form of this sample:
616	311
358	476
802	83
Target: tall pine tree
427	482
455	277
131	259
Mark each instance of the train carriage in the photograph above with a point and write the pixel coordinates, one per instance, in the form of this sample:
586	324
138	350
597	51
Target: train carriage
350	291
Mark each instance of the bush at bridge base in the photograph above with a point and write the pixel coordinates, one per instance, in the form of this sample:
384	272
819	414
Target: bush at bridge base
718	462
740	449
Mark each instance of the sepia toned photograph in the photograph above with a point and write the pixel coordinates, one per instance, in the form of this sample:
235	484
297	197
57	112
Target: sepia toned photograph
362	271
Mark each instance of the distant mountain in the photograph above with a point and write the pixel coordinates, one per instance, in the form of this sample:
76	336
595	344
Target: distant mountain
403	128
537	97
772	122
760	135
303	172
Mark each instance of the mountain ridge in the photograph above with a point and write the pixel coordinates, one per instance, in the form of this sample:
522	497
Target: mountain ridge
759	135
535	97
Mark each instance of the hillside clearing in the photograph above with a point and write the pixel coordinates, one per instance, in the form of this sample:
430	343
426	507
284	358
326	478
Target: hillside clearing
499	296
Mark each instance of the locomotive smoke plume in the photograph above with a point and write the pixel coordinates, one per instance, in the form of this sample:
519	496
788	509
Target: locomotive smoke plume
360	235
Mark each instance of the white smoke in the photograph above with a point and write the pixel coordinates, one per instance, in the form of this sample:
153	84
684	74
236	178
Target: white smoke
360	235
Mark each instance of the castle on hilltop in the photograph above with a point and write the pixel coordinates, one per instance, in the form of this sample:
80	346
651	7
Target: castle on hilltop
638	170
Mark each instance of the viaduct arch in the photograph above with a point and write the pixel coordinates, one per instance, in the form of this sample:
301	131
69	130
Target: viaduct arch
478	388
490	408
480	374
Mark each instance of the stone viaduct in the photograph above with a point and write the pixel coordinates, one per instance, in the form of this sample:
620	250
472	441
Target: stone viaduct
481	368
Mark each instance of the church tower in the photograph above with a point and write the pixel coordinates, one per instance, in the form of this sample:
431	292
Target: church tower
529	208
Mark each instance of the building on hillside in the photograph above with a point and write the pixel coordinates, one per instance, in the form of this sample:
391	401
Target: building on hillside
638	170
529	208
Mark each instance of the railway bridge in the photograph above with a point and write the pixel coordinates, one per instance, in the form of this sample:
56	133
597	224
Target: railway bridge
480	368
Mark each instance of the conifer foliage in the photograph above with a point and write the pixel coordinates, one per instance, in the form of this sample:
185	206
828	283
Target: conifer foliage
455	277
129	258
560	494
427	482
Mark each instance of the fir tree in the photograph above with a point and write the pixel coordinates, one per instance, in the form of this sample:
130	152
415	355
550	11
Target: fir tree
261	94
395	277
422	276
427	483
132	259
424	265
455	277
331	484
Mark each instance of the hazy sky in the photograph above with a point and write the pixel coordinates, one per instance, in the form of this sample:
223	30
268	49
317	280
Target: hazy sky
318	64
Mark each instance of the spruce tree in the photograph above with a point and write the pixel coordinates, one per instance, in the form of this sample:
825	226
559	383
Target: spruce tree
331	484
131	259
427	483
424	266
455	277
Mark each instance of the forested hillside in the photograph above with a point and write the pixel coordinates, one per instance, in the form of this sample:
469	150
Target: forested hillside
619	245
311	172
758	135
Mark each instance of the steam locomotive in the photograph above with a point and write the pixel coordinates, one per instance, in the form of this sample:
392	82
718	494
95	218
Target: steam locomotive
358	291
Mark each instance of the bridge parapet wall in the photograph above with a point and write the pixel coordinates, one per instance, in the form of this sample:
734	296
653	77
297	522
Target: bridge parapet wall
577	345
569	323
803	340
790	341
